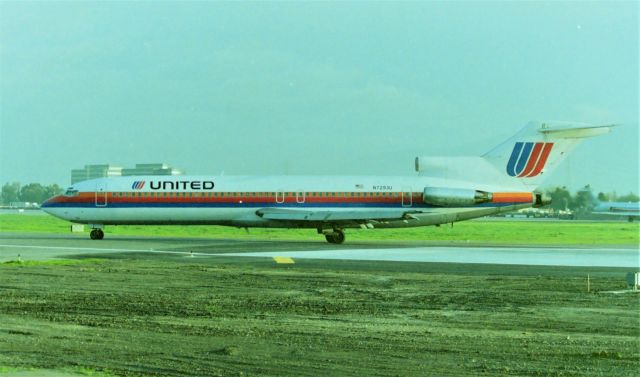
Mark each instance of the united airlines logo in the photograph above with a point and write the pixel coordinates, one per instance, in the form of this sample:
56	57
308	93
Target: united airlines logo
137	185
528	159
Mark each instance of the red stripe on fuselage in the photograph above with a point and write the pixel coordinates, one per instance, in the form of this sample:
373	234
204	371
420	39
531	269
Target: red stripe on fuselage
177	197
386	198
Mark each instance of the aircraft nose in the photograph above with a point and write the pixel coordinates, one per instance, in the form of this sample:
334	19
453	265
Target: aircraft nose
45	205
48	204
51	207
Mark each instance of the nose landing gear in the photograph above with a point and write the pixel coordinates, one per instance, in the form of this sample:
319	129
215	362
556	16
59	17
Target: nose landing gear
96	234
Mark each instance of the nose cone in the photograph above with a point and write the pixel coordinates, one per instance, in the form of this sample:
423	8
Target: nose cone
49	206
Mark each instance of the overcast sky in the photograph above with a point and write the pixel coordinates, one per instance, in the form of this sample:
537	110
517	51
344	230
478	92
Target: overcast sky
313	88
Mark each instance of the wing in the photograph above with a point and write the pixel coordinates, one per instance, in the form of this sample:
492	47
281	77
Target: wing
335	217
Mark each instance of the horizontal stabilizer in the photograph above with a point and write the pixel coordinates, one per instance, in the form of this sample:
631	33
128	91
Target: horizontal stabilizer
573	130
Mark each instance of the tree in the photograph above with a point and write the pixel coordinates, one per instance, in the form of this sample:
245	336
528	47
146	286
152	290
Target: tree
52	190
10	193
584	200
33	192
560	198
602	197
630	197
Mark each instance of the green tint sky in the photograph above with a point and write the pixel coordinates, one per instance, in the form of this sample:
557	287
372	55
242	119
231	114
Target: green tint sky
313	88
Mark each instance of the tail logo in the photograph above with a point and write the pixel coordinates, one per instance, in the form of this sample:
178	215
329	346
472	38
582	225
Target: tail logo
528	159
137	185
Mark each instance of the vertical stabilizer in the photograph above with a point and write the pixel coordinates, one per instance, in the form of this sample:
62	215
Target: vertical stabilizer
535	151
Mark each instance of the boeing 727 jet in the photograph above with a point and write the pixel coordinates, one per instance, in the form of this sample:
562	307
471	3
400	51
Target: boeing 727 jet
444	190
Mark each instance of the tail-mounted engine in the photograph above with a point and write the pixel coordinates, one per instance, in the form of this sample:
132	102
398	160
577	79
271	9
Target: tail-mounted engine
455	197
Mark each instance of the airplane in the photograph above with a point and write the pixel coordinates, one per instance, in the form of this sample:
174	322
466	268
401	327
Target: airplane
618	209
444	190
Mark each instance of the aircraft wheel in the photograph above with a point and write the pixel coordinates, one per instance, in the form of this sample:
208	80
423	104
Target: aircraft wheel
96	234
336	237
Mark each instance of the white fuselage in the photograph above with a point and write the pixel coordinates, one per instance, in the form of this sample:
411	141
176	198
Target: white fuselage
235	200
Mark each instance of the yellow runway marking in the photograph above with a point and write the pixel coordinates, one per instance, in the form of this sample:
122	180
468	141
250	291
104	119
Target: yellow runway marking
283	260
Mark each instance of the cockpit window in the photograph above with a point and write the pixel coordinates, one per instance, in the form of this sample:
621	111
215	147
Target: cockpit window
71	192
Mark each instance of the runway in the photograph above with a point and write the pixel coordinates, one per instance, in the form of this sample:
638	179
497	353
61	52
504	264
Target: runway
547	256
43	247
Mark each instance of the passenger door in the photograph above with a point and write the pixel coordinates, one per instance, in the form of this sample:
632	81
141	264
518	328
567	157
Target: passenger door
101	194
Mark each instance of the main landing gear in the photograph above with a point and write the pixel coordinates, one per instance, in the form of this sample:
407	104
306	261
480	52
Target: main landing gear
96	234
336	236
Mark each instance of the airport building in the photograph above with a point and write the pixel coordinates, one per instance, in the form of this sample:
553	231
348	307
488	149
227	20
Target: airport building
151	169
95	171
106	170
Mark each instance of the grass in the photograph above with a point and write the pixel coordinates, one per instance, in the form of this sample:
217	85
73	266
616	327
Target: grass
135	315
52	262
494	232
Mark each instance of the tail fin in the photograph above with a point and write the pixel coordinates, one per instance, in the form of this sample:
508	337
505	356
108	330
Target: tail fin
534	152
523	161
